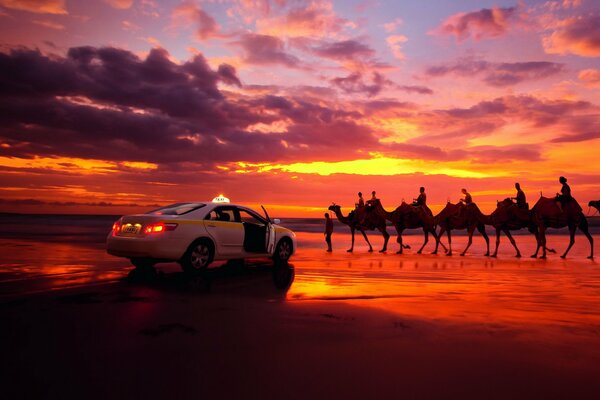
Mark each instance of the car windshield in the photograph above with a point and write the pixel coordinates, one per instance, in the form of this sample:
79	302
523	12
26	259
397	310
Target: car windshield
177	209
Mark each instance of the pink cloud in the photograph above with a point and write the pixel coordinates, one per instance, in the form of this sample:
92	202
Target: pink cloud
480	24
37	6
189	14
577	35
393	25
395	42
49	24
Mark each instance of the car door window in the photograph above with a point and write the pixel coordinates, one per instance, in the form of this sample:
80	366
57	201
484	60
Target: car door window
248	217
223	214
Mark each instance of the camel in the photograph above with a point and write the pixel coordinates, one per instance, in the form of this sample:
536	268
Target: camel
371	222
509	217
460	216
406	216
546	214
595	204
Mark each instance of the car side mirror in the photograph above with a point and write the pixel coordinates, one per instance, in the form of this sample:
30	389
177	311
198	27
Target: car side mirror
276	221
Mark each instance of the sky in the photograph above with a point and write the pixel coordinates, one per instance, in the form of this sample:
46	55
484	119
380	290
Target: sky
117	106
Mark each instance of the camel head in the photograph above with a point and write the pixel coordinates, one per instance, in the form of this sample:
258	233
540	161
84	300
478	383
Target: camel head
334	207
504	203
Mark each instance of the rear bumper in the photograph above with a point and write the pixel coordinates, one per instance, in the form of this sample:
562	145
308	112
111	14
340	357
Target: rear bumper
146	247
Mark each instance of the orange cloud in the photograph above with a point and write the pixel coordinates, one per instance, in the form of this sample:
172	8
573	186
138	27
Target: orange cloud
120	4
37	6
49	24
577	35
315	20
590	77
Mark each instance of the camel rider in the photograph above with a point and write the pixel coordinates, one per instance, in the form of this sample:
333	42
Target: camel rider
564	196
373	197
467	199
422	199
361	202
520	199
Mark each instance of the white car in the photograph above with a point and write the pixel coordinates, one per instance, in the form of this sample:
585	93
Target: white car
196	233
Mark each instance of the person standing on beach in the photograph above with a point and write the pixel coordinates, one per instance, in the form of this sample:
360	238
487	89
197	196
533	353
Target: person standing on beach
520	199
328	231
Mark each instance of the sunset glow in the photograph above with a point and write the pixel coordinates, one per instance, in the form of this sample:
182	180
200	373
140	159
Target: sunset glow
118	106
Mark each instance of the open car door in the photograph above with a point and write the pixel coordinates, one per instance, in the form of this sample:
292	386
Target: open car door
270	238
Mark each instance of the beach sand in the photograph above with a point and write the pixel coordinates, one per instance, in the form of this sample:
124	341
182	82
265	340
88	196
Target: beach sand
348	326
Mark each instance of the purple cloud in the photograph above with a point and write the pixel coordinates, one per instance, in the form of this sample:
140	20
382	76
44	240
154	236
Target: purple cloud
266	50
355	83
498	74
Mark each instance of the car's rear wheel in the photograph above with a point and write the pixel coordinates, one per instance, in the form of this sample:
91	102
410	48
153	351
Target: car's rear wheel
283	251
198	256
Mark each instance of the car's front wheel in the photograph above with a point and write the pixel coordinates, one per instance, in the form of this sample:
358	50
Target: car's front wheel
198	256
283	251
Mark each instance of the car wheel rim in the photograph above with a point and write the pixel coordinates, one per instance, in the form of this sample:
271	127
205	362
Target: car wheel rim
199	257
284	251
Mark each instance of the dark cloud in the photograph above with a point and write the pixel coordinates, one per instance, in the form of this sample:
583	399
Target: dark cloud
107	103
415	89
355	83
580	137
266	50
498	74
344	50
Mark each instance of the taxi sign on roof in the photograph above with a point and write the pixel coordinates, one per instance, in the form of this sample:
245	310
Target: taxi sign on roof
220	199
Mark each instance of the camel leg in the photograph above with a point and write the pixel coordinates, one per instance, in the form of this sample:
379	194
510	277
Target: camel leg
470	231
543	241
367	240
535	233
583	227
426	240
449	253
571	240
351	249
497	242
512	241
481	229
386	237
438	240
399	240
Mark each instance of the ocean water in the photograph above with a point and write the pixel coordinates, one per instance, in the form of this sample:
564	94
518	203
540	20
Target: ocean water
92	229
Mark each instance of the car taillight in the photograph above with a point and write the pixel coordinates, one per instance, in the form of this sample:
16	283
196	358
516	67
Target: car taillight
116	228
159	227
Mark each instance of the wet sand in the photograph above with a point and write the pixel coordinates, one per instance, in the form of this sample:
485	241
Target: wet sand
349	325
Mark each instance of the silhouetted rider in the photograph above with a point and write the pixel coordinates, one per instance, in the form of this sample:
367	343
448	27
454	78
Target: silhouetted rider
421	200
564	196
520	199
